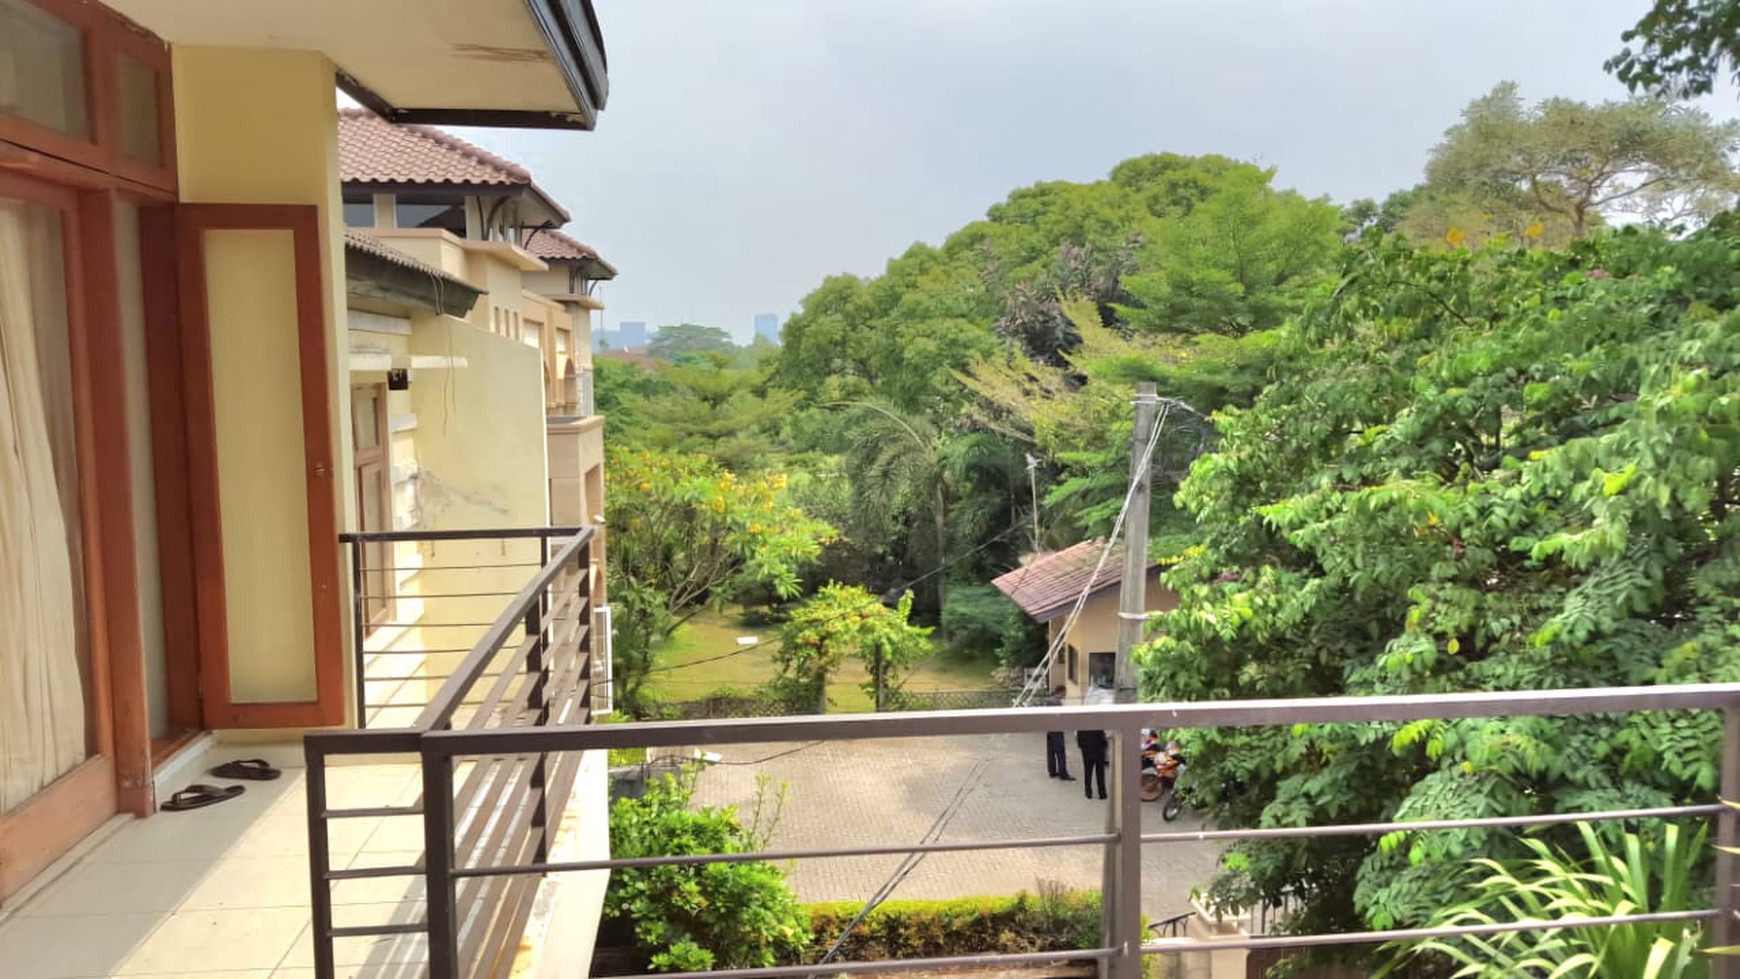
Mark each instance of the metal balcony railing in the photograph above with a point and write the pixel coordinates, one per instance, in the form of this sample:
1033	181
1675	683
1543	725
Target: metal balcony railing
500	742
531	668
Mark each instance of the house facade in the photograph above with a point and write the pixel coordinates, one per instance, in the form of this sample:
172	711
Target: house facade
201	368
1047	588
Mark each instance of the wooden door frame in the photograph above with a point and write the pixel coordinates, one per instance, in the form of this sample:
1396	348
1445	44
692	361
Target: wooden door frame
302	221
117	773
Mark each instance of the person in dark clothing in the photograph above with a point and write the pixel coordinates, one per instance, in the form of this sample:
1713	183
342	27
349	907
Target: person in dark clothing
1056	759
1094	746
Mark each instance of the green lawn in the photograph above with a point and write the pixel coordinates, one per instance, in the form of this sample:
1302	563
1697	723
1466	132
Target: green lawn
709	641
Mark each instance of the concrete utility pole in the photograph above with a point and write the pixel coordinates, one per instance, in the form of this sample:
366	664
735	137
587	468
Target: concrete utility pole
1133	594
1121	877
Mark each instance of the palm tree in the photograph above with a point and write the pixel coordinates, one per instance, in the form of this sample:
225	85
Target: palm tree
908	474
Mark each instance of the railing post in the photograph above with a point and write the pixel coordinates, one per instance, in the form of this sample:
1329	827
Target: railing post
319	863
1121	880
1726	930
439	882
358	627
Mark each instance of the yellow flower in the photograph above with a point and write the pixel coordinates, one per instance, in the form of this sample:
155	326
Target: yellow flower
645	486
1454	236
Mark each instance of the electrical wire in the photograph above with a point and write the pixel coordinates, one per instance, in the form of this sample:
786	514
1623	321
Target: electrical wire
995	744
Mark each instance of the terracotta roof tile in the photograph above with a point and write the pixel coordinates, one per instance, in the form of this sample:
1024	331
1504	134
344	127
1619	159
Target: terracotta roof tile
373	150
554	246
1047	587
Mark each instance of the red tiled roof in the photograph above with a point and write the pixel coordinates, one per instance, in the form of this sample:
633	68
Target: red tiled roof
1047	587
373	150
548	243
554	246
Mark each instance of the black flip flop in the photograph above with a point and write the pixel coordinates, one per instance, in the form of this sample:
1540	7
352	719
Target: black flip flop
200	796
253	769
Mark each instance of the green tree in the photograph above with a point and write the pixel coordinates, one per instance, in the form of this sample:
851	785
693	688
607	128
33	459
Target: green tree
1506	470
672	343
683	533
1682	47
845	621
1237	261
1651	160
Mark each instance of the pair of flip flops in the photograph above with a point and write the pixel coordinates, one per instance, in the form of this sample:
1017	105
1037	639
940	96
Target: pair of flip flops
200	796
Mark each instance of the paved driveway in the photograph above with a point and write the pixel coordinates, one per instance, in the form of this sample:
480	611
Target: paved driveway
886	792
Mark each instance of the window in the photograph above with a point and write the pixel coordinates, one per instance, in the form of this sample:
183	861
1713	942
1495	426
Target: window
42	70
1072	669
1102	669
359	214
450	217
374	503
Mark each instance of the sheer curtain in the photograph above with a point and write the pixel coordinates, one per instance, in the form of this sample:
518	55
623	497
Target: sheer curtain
42	634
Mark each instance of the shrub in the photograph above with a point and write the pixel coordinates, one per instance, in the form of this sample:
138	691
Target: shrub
714	916
1054	920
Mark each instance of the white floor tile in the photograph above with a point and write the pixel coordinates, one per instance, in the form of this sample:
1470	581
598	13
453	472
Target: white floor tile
119	888
189	941
68	947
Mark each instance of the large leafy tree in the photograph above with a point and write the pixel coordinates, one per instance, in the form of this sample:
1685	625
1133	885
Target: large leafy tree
680	340
1682	48
683	533
1501	470
1574	162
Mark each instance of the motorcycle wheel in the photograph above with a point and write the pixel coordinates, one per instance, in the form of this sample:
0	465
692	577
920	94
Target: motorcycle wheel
1172	808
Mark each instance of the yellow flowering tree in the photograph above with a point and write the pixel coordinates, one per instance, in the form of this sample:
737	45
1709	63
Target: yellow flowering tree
684	532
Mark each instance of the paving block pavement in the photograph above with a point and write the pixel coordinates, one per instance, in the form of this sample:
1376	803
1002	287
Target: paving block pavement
888	792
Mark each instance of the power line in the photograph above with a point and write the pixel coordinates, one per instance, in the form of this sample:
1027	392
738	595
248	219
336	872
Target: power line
948	813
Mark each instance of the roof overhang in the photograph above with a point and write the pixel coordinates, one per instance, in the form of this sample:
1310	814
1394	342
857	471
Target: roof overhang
524	63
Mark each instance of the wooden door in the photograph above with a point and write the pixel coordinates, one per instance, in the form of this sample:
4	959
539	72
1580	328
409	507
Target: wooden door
260	455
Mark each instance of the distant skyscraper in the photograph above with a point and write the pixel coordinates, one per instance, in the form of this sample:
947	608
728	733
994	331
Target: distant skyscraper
767	326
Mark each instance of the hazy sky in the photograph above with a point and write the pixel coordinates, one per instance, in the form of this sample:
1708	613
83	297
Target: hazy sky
752	147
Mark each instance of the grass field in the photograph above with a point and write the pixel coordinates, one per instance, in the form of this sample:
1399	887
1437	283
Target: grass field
704	656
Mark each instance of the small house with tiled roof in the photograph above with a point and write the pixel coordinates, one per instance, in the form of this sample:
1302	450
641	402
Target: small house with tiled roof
1048	586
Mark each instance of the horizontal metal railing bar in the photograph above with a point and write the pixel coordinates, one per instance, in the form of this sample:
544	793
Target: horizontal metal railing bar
364	931
440	709
372	811
416	652
432	625
500	533
890	965
463	594
1179	946
454	567
1375	829
1090	839
369	873
359	741
1234	713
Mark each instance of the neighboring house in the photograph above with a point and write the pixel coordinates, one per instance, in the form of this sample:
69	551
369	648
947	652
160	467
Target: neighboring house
472	214
183	439
1047	589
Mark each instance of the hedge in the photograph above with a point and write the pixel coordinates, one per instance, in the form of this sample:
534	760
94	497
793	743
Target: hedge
1052	921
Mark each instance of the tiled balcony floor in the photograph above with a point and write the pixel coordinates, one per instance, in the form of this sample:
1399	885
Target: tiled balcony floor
222	892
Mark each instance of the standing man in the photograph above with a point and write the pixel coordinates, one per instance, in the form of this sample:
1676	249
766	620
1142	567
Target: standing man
1094	747
1056	761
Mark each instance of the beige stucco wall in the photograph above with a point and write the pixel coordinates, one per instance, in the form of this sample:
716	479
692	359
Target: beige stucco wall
260	127
1096	631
